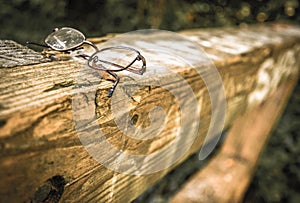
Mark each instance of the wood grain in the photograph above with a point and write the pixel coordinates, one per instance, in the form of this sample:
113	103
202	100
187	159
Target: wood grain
39	137
13	54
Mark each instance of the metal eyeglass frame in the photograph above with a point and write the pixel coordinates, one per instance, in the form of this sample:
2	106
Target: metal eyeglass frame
69	39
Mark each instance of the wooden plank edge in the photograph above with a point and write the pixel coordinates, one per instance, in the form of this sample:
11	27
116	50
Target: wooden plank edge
228	174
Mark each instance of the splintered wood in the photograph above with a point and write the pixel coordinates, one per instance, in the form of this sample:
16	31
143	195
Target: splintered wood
61	137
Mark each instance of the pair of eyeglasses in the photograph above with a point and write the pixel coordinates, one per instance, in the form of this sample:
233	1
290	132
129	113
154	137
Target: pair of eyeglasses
109	59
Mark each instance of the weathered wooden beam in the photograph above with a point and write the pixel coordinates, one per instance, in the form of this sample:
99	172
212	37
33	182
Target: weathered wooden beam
38	132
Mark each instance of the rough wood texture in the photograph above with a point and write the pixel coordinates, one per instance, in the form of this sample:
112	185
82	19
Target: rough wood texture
39	141
13	54
227	176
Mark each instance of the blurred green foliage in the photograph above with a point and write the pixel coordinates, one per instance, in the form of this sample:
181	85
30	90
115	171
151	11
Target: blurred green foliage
23	20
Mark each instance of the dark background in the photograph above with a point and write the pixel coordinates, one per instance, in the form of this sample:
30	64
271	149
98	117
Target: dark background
278	174
24	20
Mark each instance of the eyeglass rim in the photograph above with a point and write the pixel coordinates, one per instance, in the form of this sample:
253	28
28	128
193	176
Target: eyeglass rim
84	41
139	57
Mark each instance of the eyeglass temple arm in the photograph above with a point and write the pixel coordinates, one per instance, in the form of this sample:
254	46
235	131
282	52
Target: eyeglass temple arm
91	44
37	44
113	87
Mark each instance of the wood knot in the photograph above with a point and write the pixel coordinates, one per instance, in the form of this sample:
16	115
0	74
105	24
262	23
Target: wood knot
50	191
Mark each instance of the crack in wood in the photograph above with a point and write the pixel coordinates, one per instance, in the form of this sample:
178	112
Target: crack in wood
60	85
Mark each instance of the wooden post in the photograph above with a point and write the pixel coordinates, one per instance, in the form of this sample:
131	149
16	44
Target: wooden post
43	158
227	176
